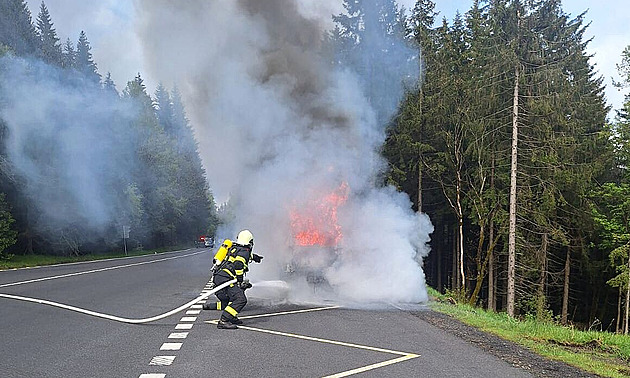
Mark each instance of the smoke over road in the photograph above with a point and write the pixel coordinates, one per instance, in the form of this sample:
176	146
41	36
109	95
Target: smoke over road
278	126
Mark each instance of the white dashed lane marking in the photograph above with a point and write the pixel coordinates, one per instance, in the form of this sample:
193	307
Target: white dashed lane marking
171	346
178	335
186	323
162	361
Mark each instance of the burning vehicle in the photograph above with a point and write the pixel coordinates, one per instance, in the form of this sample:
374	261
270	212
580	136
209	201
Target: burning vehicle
316	236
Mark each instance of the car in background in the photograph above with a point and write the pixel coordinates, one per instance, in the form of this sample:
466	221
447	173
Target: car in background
204	242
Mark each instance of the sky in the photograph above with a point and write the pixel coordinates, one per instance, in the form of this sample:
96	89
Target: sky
112	29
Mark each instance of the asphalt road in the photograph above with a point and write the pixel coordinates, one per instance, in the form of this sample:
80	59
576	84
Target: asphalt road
281	341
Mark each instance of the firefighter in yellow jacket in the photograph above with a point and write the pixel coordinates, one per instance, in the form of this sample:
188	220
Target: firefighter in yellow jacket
219	257
232	298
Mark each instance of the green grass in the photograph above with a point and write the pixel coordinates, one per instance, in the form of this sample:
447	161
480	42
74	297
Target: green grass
25	261
602	353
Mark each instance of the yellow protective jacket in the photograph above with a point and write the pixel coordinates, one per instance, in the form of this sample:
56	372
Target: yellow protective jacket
238	258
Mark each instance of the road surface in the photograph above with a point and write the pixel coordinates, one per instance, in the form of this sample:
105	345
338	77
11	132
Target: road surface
285	340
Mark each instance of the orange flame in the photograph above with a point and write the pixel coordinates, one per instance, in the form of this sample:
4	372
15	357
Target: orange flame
316	224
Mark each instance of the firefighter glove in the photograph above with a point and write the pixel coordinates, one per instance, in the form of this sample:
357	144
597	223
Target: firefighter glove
245	285
257	258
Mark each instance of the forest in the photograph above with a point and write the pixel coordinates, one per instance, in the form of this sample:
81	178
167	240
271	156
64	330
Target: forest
505	142
507	146
80	161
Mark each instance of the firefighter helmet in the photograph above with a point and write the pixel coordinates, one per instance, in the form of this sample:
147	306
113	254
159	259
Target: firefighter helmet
245	237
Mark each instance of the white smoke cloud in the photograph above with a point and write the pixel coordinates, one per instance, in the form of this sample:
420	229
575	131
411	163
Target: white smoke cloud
70	144
277	126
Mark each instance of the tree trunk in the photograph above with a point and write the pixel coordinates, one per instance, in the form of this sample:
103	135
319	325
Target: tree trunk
456	276
512	231
540	295
492	298
565	293
481	267
439	253
461	249
420	185
619	315
627	296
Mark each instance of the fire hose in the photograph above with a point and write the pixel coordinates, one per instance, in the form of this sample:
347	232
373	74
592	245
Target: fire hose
117	318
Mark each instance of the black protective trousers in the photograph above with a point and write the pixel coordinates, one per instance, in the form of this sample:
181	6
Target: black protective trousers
232	298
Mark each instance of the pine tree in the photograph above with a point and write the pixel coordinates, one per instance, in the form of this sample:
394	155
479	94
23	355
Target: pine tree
109	86
84	62
200	210
164	108
49	48
69	55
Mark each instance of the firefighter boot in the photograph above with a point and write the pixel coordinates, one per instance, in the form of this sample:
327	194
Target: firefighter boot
224	324
236	321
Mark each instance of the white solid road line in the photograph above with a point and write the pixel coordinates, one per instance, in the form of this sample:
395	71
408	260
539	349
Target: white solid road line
290	312
97	270
326	341
117	318
404	356
373	366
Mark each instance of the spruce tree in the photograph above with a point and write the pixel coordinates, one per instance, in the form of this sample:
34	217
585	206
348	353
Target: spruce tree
84	62
49	48
69	55
164	108
200	209
109	86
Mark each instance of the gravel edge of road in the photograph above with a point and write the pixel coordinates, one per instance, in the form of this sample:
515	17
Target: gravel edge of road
512	353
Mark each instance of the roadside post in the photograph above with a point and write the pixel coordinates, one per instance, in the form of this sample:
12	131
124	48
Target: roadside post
126	230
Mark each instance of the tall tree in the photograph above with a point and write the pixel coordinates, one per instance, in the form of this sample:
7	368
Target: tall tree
164	108
69	55
49	48
84	62
109	86
200	209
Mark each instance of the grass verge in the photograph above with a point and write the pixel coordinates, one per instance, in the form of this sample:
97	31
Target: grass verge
602	353
26	261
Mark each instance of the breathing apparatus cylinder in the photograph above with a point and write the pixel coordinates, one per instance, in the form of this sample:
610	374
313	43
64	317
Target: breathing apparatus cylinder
222	252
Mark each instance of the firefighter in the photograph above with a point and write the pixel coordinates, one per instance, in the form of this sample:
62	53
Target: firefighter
219	257
232	298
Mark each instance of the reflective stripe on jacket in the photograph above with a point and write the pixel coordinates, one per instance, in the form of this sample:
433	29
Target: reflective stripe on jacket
237	260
